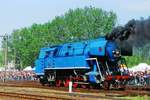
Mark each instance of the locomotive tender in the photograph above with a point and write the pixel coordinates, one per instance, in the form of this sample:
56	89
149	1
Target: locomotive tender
93	63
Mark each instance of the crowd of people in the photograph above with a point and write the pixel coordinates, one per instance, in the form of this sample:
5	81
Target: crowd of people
17	75
137	78
140	78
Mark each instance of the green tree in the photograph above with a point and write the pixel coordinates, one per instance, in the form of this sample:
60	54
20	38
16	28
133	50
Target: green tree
75	25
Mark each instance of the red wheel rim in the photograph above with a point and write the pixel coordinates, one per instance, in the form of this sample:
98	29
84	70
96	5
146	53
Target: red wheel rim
75	85
66	84
58	83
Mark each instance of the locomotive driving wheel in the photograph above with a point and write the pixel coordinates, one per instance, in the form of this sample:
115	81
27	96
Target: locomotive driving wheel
58	83
75	85
66	82
122	85
43	80
106	85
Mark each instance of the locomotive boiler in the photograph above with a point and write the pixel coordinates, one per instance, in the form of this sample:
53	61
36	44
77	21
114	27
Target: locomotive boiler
94	63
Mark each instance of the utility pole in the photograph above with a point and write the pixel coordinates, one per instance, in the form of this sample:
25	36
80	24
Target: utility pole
5	38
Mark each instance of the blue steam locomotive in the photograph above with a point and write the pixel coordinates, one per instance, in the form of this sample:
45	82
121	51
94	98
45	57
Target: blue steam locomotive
94	63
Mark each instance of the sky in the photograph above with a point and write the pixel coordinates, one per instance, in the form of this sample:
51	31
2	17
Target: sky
16	14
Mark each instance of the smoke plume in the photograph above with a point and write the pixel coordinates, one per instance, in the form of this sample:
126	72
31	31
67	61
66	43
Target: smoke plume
141	34
135	33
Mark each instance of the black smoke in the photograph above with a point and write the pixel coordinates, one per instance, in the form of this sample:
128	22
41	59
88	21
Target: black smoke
122	33
136	33
141	35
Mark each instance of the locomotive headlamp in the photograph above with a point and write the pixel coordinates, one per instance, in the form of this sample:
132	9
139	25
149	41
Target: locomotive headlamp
116	53
113	51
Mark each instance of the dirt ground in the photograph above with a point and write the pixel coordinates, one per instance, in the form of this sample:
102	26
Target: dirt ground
29	88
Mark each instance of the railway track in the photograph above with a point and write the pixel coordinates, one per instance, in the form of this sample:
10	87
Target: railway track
44	94
60	93
72	96
31	96
36	84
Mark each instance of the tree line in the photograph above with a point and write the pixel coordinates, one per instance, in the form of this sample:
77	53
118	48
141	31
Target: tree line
75	25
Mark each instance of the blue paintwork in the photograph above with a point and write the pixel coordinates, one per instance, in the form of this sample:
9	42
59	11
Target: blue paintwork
92	76
74	55
97	47
39	69
111	46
